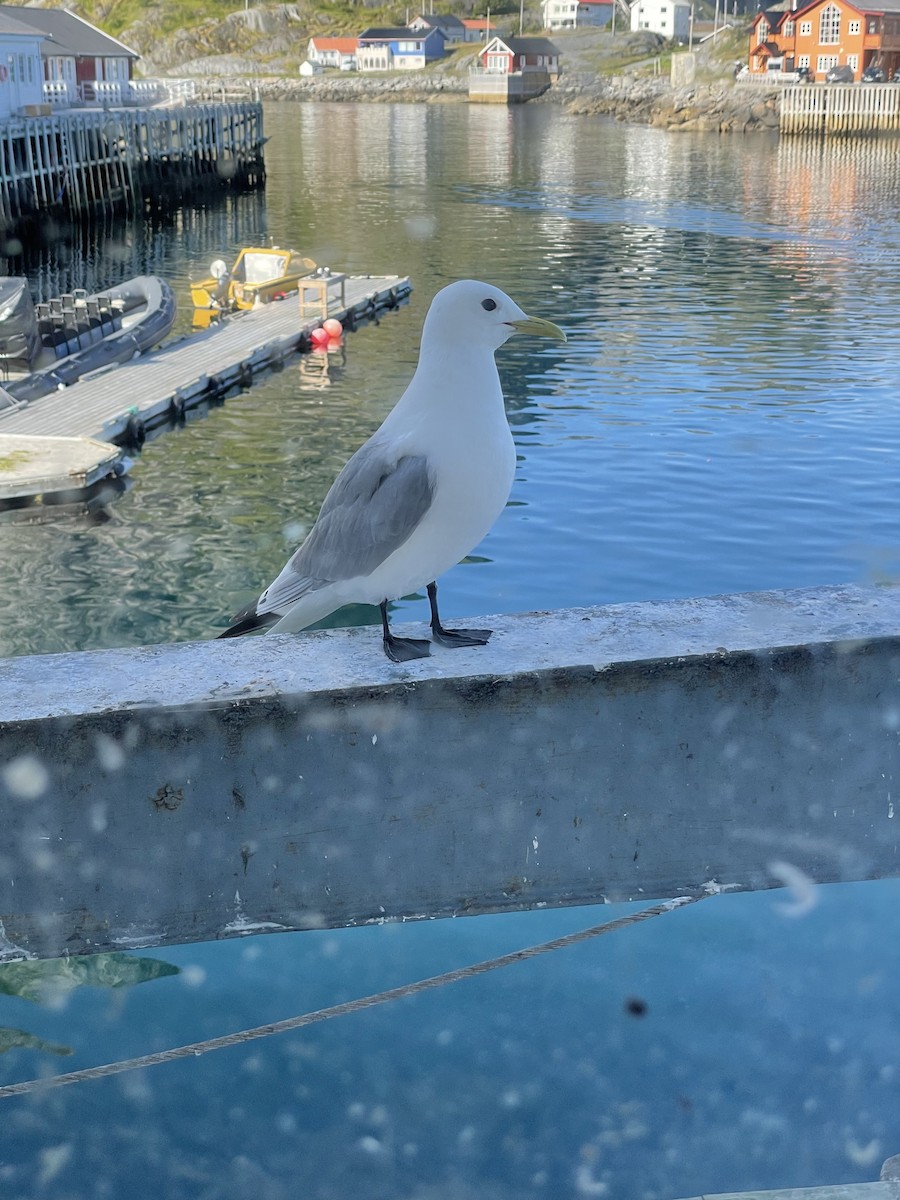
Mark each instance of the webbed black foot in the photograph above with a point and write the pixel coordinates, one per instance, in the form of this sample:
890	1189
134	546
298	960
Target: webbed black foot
398	649
456	639
459	638
401	650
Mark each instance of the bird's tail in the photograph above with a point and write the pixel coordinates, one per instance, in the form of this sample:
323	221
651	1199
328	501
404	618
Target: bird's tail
247	620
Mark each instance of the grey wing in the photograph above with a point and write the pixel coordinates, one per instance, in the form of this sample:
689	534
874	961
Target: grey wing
372	508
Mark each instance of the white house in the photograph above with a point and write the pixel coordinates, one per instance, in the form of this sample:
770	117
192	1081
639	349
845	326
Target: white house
575	14
337	52
669	18
21	69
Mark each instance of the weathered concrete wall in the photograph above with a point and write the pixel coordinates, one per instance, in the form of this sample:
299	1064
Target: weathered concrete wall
194	791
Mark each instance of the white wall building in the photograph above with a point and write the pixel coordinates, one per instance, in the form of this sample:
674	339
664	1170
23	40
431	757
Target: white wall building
669	18
575	14
21	67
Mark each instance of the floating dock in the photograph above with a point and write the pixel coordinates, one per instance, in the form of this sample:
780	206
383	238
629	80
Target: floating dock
95	421
62	467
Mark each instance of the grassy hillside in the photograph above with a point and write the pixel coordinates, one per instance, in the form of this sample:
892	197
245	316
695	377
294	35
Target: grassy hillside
236	37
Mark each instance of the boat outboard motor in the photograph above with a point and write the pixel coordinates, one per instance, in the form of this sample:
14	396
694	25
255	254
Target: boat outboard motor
20	338
219	272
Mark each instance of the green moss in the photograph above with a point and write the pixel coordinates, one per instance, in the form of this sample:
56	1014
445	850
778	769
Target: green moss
15	458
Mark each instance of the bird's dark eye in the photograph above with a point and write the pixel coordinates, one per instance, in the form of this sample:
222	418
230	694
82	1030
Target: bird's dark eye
489	305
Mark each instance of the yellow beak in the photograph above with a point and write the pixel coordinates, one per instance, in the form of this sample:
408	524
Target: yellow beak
539	326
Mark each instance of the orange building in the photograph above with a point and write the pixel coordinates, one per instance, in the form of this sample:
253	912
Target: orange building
825	34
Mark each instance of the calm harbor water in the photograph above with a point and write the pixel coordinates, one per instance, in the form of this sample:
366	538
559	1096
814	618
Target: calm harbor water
723	418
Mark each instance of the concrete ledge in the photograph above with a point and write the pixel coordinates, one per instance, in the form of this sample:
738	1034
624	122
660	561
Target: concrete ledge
847	1191
193	791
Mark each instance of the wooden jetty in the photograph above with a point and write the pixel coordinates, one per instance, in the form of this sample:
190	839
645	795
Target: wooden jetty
840	109
111	160
123	404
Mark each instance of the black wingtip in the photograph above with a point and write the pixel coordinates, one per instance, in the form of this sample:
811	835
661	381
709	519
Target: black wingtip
247	622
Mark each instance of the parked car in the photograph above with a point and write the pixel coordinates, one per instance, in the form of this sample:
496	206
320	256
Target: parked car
839	74
804	75
873	75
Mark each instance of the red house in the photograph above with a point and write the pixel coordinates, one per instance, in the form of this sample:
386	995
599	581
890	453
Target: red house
503	56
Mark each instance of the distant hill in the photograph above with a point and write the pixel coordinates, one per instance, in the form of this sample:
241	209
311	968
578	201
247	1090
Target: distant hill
236	37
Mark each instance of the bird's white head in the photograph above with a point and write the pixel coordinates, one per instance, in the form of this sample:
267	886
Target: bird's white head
470	313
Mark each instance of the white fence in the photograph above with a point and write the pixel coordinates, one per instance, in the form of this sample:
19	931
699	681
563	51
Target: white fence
768	78
132	92
841	108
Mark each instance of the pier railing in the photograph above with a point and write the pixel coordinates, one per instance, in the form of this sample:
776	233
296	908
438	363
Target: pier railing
841	108
108	158
94	92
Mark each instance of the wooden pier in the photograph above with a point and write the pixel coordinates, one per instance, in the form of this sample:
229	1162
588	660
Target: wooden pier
111	160
841	109
122	405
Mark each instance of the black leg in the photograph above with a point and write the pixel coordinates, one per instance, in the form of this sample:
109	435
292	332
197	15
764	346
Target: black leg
401	649
455	638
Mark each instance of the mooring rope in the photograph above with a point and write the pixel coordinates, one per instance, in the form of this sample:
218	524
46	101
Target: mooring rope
195	1049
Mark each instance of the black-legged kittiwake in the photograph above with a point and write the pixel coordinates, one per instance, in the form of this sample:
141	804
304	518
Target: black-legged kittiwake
425	488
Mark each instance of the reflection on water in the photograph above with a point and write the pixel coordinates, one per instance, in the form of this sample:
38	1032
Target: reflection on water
723	418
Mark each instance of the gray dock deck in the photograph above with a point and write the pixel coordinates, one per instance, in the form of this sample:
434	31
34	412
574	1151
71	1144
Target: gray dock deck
31	466
123	403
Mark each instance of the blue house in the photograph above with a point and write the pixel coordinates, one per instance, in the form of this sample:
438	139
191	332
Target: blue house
398	49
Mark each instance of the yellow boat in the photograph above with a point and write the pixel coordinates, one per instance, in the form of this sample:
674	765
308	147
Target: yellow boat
259	274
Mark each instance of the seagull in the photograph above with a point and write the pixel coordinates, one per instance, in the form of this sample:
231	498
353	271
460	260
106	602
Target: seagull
422	492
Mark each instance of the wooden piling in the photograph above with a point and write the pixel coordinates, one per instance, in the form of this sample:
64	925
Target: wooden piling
114	160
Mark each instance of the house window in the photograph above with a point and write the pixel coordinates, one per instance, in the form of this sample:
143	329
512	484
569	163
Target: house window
853	27
789	29
803	60
824	61
805	28
853	61
830	26
763	30
872	25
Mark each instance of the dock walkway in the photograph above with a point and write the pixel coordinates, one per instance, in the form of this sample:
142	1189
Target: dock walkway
123	404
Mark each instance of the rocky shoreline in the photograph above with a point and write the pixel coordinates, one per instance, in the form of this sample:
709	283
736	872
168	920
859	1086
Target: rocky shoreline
717	107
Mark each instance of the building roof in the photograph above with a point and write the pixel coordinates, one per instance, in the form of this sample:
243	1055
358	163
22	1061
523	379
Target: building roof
530	45
442	21
773	17
393	35
343	45
875	9
9	25
478	23
67	34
